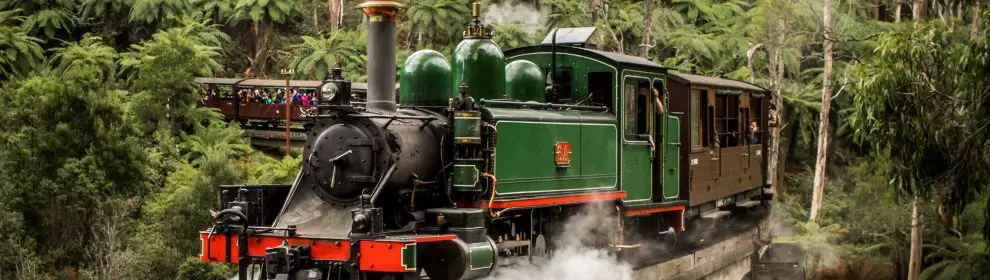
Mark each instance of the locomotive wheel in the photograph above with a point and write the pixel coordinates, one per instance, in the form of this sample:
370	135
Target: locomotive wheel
539	247
670	238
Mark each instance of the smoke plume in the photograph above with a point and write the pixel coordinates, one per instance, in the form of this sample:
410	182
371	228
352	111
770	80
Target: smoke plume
525	15
576	256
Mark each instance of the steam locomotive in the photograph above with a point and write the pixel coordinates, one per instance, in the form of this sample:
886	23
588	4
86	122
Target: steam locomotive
485	154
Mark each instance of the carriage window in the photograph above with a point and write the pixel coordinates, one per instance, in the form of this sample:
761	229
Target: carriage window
756	115
636	110
696	110
727	119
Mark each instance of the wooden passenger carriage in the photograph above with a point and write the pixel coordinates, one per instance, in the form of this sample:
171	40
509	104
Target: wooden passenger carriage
723	166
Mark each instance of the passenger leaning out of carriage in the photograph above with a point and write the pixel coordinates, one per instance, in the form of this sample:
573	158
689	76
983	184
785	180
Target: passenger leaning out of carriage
304	99
294	96
753	129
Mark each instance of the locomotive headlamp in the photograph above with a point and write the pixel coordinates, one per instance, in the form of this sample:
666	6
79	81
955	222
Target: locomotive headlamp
335	89
360	222
328	92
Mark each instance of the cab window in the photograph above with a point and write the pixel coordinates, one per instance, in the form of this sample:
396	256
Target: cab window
636	107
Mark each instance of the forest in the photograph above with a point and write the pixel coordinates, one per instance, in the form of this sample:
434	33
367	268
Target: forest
881	160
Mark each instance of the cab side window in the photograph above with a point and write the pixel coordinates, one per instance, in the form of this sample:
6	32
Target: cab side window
636	108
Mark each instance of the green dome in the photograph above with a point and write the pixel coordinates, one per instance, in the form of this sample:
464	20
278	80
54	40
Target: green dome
424	79
480	64
524	81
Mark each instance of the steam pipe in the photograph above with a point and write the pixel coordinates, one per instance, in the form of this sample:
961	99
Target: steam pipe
553	59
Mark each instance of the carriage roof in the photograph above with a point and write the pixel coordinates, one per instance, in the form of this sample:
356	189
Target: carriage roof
713	82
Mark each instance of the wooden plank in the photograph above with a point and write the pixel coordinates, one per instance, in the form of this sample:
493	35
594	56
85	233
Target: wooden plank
747	204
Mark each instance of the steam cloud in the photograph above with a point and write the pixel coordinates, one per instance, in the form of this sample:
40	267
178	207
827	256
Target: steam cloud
575	258
529	17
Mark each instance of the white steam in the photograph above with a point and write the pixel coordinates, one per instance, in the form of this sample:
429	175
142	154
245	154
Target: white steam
523	14
575	258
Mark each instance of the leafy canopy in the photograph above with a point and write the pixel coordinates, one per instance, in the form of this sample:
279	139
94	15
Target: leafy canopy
924	104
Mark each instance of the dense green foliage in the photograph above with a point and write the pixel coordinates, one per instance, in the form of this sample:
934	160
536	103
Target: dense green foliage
108	170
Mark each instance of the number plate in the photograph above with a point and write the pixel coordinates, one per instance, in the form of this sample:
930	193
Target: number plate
562	154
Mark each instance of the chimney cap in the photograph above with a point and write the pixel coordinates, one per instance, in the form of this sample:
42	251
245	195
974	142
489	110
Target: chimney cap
385	8
381	4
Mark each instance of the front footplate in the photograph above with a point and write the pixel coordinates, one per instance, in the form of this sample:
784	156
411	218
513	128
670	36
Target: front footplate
301	257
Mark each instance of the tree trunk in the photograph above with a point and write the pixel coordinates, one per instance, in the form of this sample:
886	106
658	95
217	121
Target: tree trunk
777	114
822	159
897	11
974	31
749	62
875	10
336	13
647	21
914	263
776	79
592	5
916	12
258	63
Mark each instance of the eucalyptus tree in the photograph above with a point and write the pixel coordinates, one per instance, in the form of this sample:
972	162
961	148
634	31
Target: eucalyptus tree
437	20
821	160
922	105
569	13
22	52
622	20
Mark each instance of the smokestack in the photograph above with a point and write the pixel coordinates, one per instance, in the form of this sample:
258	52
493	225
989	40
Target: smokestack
381	53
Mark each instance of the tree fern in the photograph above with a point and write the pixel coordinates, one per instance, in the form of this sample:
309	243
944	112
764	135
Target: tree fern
315	56
19	51
511	35
165	12
90	51
435	20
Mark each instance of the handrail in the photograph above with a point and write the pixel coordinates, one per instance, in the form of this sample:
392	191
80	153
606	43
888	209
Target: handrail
538	104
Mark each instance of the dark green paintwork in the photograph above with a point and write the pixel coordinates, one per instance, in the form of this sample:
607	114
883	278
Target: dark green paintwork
635	156
424	79
409	256
524	156
466	175
580	66
480	64
482	255
467	127
672	159
524	81
458	217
